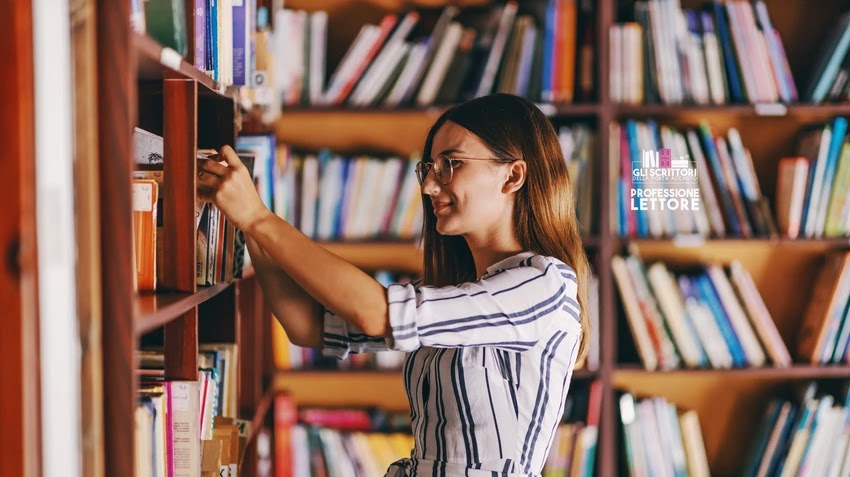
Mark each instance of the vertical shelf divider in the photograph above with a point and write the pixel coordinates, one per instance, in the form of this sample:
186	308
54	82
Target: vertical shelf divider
607	457
180	133
116	113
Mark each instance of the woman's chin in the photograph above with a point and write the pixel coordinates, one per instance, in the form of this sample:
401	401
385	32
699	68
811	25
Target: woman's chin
446	227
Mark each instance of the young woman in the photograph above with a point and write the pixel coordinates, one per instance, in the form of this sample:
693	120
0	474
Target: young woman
499	320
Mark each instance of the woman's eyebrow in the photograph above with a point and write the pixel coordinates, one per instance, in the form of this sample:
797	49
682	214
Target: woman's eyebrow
449	151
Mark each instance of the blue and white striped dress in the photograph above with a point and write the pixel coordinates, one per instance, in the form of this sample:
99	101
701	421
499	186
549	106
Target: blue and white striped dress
488	369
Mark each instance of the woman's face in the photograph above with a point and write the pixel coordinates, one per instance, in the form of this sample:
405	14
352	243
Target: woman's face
475	201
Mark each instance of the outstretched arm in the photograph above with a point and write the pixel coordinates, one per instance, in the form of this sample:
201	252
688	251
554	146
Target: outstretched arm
300	314
336	284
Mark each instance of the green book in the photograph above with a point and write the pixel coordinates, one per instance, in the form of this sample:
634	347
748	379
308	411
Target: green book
165	21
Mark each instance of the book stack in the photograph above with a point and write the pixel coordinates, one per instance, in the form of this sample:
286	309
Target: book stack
707	317
727	53
542	51
661	440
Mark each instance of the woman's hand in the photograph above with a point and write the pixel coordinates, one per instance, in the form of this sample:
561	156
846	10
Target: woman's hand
231	189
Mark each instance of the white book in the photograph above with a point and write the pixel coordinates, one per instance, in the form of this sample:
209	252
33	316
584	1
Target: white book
352	58
714	67
318	45
440	66
377	69
817	183
741	326
615	76
403	83
494	59
670	302
309	195
709	334
708	197
634	315
330	197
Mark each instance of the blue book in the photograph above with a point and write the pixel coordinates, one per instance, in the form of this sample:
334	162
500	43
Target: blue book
200	17
839	129
833	53
709	296
717	172
634	154
547	93
736	89
239	42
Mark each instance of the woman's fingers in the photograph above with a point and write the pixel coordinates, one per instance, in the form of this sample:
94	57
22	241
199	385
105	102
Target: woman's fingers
230	156
212	167
208	180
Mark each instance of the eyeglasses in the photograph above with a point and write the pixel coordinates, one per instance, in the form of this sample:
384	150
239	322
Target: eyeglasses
444	165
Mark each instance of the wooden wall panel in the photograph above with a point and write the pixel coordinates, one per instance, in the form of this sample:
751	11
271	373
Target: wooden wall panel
20	436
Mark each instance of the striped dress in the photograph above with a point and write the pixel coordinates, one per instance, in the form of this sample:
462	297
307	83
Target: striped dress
488	367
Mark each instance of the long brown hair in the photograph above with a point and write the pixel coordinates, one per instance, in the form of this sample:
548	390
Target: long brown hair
544	215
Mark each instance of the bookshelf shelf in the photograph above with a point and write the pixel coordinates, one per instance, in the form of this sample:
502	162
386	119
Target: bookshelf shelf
698	242
803	110
158	309
402	256
354	388
795	372
550	109
156	62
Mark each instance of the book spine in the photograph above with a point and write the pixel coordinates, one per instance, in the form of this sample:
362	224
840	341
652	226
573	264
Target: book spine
200	34
240	44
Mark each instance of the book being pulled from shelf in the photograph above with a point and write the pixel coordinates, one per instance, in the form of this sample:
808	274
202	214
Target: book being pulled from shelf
708	186
661	439
220	247
542	50
710	316
727	53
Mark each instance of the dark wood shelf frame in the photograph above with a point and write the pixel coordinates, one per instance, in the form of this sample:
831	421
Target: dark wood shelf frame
158	309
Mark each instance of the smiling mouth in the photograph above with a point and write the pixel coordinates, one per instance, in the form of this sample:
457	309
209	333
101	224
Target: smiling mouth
439	207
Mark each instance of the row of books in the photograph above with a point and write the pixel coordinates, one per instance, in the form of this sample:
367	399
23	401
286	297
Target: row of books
331	197
701	317
220	247
573	449
713	190
344	442
187	427
337	442
812	197
813	188
288	356
728	53
533	51
807	434
224	34
660	439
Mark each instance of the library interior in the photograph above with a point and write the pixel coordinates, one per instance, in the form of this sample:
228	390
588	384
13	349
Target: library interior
694	140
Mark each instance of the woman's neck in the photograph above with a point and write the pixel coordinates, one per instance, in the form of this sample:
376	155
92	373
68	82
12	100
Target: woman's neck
490	251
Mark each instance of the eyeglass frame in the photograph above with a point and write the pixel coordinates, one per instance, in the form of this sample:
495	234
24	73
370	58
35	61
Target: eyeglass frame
421	165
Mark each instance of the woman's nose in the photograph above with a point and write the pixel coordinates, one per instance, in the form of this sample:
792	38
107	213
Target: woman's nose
431	186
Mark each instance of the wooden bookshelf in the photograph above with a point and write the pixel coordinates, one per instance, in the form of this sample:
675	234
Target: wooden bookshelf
730	402
142	86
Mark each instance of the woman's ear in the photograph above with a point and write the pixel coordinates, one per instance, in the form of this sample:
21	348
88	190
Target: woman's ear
516	177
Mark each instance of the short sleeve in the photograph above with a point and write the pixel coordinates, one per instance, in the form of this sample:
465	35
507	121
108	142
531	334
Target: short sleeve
341	338
512	309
